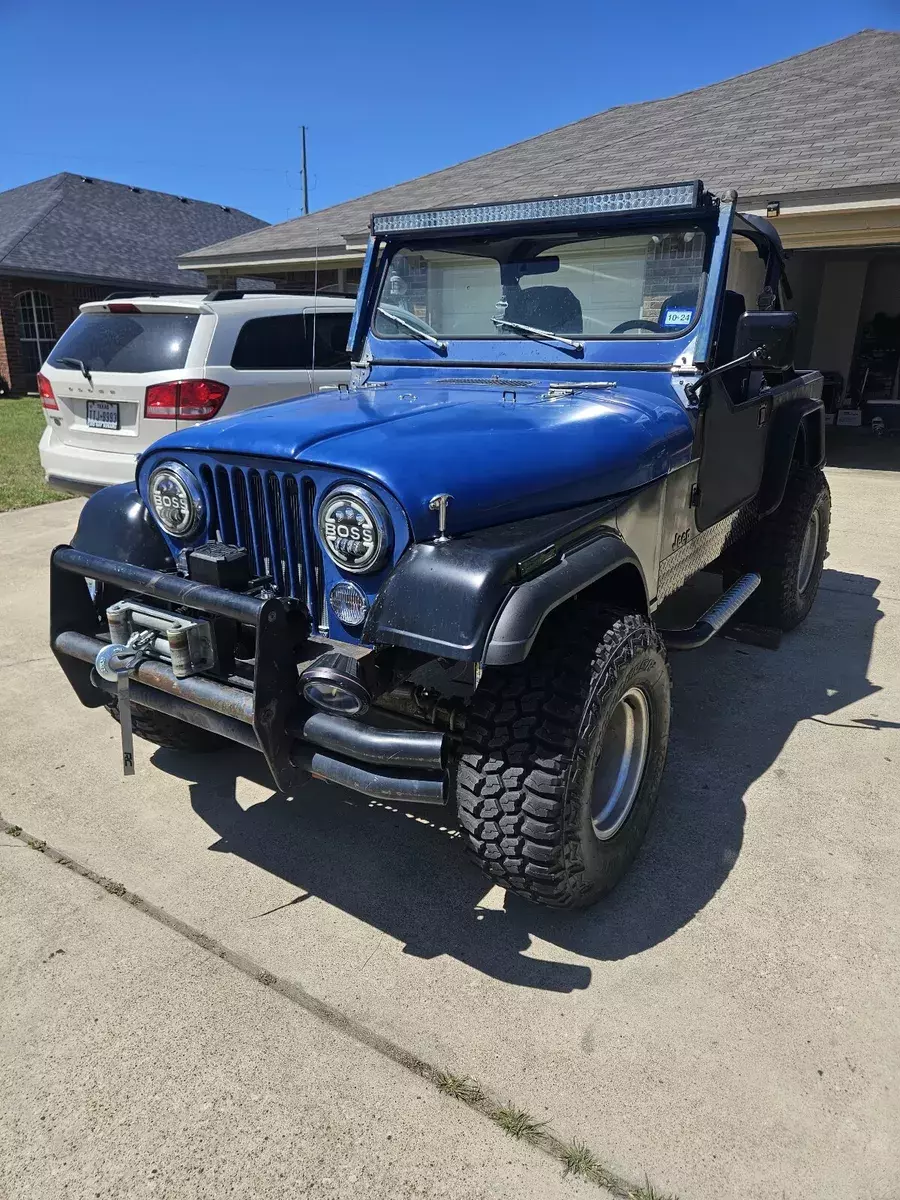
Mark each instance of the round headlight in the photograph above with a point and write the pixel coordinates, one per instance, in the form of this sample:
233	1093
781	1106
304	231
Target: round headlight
176	499
348	603
355	528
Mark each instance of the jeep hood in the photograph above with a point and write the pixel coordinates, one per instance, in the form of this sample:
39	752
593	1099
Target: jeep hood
502	455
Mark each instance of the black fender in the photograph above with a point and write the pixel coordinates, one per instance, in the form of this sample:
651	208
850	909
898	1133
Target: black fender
483	597
797	433
528	605
115	523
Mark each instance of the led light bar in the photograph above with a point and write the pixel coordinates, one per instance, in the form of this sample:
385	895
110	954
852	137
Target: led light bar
677	195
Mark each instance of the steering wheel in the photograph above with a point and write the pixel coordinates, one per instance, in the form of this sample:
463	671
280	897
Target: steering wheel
624	326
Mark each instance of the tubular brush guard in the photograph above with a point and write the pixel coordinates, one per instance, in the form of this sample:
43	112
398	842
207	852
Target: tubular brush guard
293	739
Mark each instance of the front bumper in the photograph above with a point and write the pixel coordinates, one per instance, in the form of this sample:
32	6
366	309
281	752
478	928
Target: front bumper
267	715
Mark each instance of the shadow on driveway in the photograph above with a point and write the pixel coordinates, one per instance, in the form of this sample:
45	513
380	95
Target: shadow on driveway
403	871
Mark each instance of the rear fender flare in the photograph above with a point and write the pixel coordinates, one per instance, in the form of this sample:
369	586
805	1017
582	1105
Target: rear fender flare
797	434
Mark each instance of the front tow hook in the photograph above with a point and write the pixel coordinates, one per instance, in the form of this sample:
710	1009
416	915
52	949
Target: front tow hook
115	663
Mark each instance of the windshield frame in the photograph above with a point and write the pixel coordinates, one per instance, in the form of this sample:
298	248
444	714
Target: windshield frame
572	235
686	352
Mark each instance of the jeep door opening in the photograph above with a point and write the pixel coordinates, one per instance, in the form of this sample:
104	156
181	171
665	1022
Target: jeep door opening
439	586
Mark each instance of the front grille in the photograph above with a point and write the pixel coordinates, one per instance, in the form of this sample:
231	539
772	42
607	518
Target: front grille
271	514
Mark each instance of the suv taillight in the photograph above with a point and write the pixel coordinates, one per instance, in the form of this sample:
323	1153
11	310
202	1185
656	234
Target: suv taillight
45	389
189	399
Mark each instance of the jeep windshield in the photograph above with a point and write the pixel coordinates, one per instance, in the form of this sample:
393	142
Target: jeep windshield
633	284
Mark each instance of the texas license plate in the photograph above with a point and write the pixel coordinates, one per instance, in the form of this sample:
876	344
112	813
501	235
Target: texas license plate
102	415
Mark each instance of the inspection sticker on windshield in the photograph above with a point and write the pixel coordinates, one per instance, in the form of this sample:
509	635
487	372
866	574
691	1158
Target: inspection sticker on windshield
678	317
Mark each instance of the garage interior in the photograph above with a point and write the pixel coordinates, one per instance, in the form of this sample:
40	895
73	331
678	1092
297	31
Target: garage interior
849	306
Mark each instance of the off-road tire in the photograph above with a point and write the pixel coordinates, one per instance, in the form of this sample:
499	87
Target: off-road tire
166	731
774	550
524	772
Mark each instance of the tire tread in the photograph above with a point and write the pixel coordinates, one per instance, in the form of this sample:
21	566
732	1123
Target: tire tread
521	743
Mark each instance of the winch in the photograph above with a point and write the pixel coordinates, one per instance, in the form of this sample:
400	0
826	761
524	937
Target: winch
187	643
138	633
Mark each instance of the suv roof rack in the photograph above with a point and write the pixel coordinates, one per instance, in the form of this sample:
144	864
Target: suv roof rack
227	294
128	295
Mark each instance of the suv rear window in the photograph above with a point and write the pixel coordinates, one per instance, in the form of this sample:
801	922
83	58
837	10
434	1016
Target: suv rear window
285	343
131	343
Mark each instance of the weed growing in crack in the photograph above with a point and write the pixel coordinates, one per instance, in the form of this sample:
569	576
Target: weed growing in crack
517	1123
578	1160
460	1087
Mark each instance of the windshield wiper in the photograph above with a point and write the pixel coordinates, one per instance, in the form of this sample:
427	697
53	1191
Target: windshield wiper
413	329
78	364
539	333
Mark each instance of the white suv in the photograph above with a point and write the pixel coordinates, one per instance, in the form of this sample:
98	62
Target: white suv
127	371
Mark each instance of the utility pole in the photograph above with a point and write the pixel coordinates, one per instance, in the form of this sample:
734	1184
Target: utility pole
305	171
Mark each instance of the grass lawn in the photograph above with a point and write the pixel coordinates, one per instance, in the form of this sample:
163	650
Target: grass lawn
21	478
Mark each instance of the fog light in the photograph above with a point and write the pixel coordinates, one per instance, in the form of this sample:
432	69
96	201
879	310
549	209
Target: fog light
333	697
334	684
349	603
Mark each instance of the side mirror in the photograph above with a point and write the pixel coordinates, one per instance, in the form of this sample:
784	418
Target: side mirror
771	337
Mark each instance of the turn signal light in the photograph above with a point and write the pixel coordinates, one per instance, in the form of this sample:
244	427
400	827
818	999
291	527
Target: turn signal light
45	389
187	399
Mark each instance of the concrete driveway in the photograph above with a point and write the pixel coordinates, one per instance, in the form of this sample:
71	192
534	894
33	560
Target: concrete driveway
727	1022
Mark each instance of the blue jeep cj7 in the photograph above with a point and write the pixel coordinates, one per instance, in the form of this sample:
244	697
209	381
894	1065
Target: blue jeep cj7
439	586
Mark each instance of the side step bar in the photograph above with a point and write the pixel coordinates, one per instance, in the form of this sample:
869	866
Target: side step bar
714	618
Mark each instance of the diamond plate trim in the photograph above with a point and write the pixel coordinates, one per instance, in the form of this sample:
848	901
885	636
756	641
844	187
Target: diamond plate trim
705	548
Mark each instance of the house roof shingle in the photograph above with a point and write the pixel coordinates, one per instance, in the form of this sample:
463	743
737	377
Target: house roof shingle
66	226
826	119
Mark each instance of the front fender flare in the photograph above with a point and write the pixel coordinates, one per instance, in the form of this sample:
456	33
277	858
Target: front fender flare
482	598
528	606
115	523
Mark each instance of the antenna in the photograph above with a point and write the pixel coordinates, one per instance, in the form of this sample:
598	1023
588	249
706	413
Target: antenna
305	171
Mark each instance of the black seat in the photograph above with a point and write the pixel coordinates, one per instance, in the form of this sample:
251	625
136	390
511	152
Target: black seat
733	308
553	308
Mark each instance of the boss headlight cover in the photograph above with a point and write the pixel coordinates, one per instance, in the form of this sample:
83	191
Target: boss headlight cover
176	499
355	528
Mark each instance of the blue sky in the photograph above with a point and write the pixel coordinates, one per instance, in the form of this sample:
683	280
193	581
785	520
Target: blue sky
205	98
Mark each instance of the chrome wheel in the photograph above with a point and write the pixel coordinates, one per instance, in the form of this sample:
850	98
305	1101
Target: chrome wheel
620	763
808	552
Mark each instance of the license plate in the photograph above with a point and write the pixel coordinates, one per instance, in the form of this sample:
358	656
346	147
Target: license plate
102	415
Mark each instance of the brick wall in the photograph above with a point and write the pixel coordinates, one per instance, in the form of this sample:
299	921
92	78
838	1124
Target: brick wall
64	300
673	264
